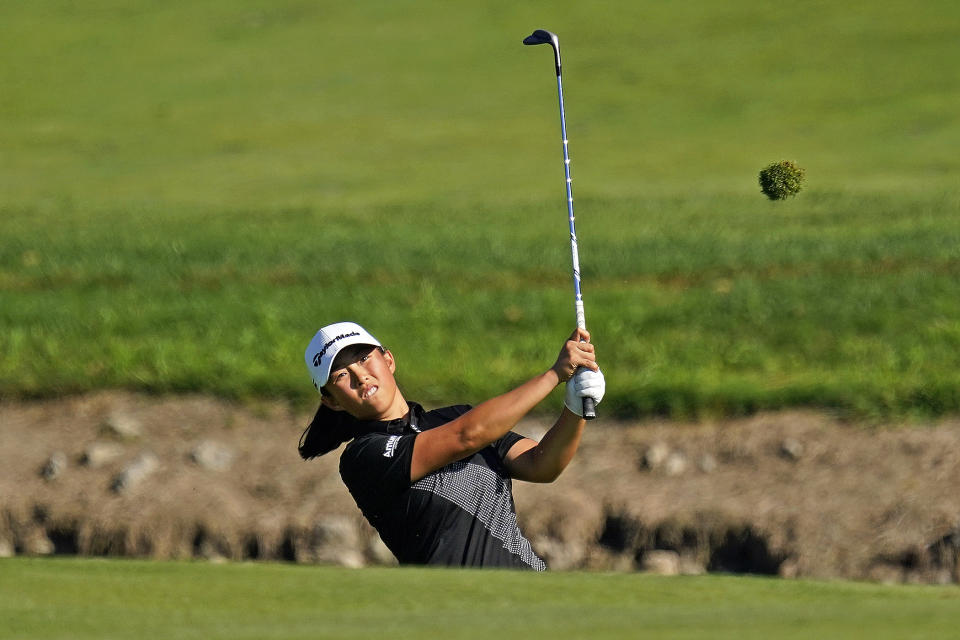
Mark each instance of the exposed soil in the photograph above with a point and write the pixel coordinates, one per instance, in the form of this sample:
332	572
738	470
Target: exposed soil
791	494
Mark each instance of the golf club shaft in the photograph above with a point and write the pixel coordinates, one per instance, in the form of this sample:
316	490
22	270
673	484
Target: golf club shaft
541	36
589	407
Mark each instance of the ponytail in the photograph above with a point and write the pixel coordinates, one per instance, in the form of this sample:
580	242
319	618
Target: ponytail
327	431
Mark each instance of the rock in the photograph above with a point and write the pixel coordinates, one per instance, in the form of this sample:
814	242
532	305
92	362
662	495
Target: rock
135	472
885	573
337	541
36	543
941	576
690	566
660	562
791	449
54	467
379	552
209	552
560	555
655	456
7	550
100	454
707	463
123	426
675	464
212	456
789	568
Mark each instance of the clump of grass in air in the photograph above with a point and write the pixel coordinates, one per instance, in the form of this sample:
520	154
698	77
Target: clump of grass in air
781	179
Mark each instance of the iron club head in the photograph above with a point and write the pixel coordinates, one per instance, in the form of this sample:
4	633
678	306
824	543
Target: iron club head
542	36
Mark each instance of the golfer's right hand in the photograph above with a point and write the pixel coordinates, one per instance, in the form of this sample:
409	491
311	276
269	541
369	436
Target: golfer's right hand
584	384
576	352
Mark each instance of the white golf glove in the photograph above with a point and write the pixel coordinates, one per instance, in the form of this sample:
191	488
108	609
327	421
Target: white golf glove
584	383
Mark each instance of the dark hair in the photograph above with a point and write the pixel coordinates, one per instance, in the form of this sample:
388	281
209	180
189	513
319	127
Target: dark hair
327	431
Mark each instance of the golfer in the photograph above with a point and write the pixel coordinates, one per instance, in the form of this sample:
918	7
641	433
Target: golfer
436	485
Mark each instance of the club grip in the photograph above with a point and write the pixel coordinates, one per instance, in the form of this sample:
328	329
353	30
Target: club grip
589	408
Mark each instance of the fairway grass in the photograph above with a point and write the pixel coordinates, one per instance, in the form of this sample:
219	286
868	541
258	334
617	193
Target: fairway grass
97	599
701	305
188	191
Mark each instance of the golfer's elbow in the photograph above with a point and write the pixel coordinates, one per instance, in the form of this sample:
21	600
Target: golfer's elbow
473	437
538	477
550	475
543	471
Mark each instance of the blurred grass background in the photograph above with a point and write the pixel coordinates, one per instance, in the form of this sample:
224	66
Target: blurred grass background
189	190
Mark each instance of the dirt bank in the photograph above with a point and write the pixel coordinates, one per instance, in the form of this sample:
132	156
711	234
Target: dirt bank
793	494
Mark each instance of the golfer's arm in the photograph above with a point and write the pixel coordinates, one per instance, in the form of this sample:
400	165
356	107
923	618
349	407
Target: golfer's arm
544	461
479	427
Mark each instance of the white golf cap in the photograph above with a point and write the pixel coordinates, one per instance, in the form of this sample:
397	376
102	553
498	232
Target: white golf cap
327	344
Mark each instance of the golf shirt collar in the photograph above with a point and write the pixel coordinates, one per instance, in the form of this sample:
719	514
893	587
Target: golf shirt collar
410	423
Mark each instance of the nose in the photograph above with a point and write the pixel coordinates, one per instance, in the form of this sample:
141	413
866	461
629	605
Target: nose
358	372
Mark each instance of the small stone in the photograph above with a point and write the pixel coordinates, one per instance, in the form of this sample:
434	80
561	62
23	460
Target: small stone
789	568
38	544
209	552
100	454
885	574
212	456
380	552
123	426
560	555
791	449
707	463
661	562
337	541
690	566
676	464
135	473
655	455
54	467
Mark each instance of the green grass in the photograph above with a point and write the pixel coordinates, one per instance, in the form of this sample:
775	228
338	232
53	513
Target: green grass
189	190
77	599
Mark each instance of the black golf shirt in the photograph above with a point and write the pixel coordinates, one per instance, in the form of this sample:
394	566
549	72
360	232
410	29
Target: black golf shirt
460	515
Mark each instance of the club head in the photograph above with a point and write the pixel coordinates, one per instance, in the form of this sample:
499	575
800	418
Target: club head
542	36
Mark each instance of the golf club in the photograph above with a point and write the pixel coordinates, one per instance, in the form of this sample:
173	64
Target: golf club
541	36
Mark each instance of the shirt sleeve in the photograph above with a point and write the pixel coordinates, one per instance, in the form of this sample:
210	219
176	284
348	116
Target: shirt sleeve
504	444
377	465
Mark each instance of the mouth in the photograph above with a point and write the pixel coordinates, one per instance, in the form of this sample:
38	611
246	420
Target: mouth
369	392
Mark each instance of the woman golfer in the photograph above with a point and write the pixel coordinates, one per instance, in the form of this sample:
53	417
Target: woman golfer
436	485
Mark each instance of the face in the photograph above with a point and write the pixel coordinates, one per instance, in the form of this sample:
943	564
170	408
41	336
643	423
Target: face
361	383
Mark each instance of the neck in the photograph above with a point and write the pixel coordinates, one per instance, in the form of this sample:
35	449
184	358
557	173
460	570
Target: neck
398	408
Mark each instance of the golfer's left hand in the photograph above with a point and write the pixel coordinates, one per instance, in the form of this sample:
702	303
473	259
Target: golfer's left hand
577	353
584	383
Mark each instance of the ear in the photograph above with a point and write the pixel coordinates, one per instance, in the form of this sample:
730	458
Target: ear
391	363
330	402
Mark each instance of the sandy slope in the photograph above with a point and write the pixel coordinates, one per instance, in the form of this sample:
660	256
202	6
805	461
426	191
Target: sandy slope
790	493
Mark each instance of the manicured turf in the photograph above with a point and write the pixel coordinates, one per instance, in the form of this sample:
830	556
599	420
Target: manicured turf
188	191
97	599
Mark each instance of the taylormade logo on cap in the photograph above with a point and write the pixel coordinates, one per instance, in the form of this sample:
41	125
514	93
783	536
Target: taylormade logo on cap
318	356
327	343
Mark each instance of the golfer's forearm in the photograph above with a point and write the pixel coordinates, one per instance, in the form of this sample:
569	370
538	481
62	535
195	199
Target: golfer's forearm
492	419
547	460
559	444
